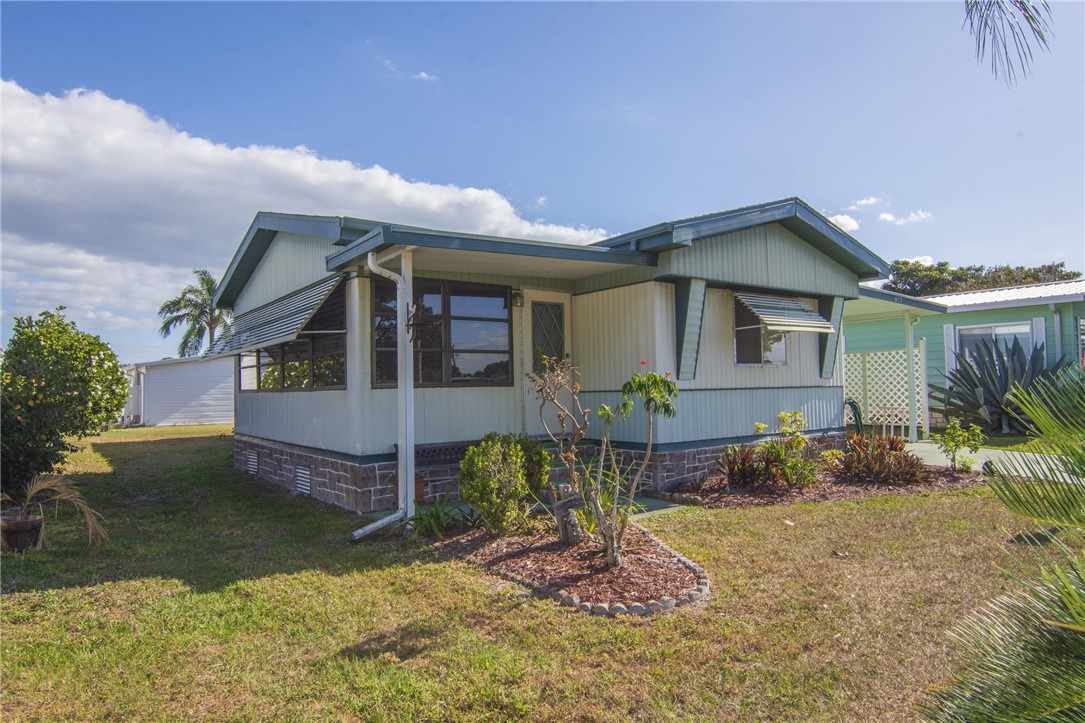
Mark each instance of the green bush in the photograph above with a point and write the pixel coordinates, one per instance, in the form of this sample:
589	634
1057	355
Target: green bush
536	459
781	463
742	466
492	481
879	461
954	440
58	384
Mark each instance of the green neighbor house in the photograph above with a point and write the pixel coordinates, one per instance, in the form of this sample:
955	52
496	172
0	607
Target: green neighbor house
876	324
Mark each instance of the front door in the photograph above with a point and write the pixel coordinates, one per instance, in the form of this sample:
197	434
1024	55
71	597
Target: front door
547	334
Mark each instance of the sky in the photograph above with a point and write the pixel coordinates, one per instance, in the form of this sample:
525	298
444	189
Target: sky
140	139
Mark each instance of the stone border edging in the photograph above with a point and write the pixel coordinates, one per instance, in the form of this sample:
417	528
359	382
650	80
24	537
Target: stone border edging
697	593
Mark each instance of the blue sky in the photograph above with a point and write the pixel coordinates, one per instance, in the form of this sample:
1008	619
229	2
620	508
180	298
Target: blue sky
564	121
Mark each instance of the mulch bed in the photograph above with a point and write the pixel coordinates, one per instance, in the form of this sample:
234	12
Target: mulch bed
715	493
648	571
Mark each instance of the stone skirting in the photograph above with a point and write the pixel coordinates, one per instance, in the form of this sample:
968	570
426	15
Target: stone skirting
668	469
360	487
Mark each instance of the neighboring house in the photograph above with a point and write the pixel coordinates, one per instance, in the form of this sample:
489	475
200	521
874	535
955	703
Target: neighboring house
180	391
743	307
1051	313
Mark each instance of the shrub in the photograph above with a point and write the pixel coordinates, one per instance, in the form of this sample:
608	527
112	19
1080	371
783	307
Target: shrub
955	439
58	383
742	466
536	459
492	481
879	461
437	518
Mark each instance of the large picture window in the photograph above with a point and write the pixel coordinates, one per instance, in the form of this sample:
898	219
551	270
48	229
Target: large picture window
755	344
317	359
999	335
462	334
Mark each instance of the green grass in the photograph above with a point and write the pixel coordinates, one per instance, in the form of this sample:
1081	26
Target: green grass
1013	443
221	597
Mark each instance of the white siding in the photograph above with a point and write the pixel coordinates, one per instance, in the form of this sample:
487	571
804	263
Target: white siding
291	262
614	330
188	392
311	419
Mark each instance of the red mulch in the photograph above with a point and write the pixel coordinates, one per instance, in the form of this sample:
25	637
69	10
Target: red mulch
648	571
717	494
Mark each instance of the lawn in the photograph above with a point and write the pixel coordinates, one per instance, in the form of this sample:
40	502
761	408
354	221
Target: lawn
221	597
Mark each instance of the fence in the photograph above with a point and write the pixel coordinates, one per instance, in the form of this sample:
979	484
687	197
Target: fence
878	381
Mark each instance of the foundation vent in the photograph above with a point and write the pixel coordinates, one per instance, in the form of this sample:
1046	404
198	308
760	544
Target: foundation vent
252	464
302	481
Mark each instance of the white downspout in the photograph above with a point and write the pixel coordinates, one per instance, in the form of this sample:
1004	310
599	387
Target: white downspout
404	389
909	340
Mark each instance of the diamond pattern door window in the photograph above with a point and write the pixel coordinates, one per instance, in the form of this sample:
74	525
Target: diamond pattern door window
547	332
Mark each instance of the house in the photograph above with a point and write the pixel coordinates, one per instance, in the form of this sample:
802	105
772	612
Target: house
1051	313
743	306
180	391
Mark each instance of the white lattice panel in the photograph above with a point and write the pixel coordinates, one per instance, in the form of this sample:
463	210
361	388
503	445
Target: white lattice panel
879	382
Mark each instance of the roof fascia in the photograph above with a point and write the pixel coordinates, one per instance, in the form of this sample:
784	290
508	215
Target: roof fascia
387	235
256	242
902	299
1016	303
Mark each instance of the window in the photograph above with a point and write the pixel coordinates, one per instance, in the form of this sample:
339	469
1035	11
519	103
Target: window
462	334
754	343
970	338
317	359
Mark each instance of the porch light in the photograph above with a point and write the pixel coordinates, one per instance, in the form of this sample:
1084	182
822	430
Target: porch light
517	298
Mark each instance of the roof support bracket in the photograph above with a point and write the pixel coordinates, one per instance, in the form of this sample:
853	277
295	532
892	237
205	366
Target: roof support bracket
689	296
832	308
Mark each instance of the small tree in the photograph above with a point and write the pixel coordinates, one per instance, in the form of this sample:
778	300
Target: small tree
955	439
194	309
58	383
656	392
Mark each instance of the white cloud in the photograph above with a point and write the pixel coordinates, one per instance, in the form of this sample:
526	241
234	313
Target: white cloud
426	77
913	217
845	222
541	202
103	203
924	260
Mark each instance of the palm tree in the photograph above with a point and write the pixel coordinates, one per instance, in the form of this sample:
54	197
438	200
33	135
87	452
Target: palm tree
194	309
1006	25
1026	649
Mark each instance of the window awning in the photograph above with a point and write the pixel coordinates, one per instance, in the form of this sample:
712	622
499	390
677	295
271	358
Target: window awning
274	323
780	313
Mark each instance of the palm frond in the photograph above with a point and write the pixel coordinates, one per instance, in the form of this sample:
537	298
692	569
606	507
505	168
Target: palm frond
44	489
1007	29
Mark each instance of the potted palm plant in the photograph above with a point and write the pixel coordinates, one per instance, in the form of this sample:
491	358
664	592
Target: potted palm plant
22	522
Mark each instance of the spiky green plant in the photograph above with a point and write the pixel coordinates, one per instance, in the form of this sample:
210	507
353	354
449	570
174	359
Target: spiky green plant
1027	648
979	388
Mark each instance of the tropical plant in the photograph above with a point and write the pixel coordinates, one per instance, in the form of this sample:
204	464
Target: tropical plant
194	309
58	384
45	489
878	461
1008	27
954	439
492	481
436	518
741	465
786	461
979	388
656	394
1026	649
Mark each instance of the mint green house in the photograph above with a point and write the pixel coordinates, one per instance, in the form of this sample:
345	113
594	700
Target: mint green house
1052	314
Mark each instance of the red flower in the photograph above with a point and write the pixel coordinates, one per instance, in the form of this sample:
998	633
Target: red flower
643	363
19	420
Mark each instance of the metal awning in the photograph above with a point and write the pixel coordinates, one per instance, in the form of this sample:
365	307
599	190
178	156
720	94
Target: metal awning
780	313
276	322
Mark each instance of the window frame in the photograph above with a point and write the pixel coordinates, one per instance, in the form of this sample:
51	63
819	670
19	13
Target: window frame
446	288
993	336
760	326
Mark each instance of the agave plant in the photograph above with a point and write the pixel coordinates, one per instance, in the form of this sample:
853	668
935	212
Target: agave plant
1027	648
980	386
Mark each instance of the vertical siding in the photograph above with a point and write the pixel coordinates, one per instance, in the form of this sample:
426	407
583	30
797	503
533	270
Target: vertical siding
614	330
189	393
317	419
768	257
291	262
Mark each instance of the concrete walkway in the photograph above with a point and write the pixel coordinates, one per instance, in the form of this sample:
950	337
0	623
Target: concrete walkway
930	454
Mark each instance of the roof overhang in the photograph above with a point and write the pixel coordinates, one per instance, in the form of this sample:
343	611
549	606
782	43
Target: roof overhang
874	304
794	214
1014	303
448	251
